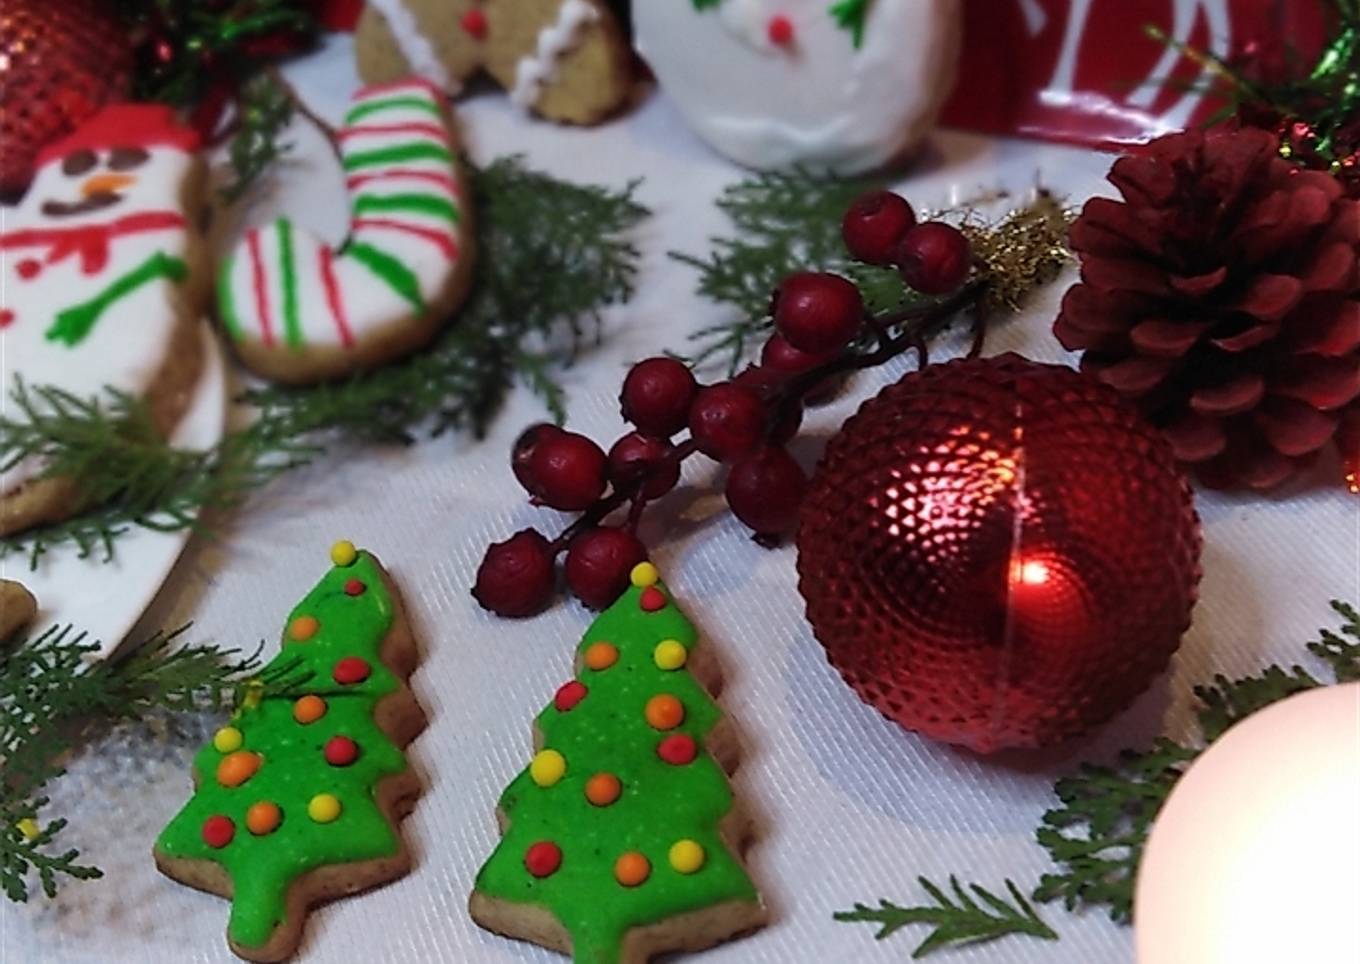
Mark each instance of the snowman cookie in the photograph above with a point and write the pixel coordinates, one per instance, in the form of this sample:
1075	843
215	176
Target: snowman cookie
101	284
842	87
566	60
299	310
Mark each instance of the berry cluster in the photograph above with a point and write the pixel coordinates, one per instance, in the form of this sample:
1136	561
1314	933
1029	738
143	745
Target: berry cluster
820	326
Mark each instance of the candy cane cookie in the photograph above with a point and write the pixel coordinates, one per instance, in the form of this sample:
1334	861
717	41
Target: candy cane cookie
298	310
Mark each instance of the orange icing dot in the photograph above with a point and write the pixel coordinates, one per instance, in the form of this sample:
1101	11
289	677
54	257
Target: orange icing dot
309	709
632	869
664	712
236	768
303	628
603	789
600	656
263	817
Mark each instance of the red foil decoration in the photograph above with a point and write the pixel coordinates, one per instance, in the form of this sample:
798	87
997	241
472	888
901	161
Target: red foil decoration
60	61
997	553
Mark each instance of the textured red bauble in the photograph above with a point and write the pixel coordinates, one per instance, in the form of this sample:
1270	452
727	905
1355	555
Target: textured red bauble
59	63
635	456
998	553
657	394
516	577
765	490
874	224
568	471
934	258
818	312
522	454
726	420
599	562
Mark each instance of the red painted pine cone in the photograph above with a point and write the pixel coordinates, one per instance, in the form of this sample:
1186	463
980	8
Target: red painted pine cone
1222	295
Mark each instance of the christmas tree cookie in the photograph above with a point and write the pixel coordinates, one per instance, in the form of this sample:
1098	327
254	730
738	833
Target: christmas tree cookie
621	839
298	309
298	798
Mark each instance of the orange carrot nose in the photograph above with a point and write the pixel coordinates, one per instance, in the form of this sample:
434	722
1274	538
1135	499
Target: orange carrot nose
105	184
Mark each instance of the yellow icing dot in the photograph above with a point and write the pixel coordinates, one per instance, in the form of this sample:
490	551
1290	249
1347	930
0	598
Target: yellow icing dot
303	628
670	654
548	767
686	856
644	574
324	807
343	553
227	740
309	709
29	828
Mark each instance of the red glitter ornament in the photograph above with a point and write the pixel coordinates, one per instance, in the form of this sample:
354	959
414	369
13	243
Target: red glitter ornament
59	63
998	553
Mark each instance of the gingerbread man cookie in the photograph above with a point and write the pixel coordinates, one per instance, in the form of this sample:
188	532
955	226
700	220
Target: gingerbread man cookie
299	310
566	60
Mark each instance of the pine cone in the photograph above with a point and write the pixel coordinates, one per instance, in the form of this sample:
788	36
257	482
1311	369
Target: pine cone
1223	296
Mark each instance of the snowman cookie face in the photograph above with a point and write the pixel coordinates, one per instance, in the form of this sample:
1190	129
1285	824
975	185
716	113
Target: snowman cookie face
88	184
844	87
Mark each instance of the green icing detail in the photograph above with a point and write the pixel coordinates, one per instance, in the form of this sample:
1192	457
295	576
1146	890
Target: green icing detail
661	803
295	769
226	300
292	324
431	204
74	325
391	103
393	273
399	154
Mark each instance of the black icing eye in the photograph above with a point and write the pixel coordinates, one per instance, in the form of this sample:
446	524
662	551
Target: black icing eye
78	163
126	158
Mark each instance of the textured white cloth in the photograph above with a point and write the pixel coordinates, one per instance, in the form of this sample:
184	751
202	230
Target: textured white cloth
850	808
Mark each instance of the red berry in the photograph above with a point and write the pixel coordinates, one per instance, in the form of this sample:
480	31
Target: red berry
727	420
633	456
818	312
523	452
568	471
516	576
657	394
599	563
874	224
778	355
765	490
934	258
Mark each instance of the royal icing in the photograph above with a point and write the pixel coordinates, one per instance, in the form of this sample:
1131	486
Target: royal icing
414	45
779	83
302	772
554	41
285	288
615	825
94	260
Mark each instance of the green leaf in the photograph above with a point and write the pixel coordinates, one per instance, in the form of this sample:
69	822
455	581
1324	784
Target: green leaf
851	15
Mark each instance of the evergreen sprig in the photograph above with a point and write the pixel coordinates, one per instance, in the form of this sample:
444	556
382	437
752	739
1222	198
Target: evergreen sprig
554	255
1096	836
963	919
264	110
52	696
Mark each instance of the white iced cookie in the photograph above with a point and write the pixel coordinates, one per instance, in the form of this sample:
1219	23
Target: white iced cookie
300	310
100	283
844	87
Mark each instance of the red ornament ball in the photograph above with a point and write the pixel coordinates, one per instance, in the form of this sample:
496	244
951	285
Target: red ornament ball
818	312
874	224
516	577
569	695
59	63
567	471
657	394
678	749
599	562
543	858
635	456
934	258
765	490
998	553
726	420
351	670
341	751
218	831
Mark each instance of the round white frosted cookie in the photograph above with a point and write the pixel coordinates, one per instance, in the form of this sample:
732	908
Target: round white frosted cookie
845	87
298	309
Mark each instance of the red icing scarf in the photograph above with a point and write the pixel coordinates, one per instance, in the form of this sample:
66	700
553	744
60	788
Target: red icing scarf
90	241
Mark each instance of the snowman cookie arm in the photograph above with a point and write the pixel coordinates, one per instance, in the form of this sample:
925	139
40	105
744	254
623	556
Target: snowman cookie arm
299	310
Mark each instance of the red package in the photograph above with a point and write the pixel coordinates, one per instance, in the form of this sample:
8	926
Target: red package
1087	72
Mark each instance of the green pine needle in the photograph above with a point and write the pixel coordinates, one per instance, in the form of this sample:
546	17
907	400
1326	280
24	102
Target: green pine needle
264	111
960	920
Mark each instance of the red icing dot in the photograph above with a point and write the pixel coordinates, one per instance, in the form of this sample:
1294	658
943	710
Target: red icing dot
569	695
218	831
28	268
6	317
474	22
543	858
652	599
780	30
350	670
354	587
341	751
677	749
